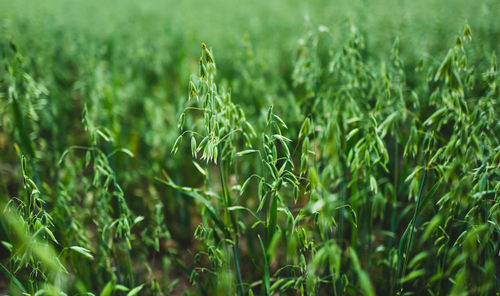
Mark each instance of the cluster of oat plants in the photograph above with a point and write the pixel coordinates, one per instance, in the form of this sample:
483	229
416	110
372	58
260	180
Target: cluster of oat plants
311	148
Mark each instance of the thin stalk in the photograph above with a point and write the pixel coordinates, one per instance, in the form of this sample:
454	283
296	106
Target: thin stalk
227	196
393	204
396	152
369	237
412	225
354	205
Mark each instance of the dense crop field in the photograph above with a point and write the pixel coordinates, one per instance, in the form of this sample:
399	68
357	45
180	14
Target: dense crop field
264	147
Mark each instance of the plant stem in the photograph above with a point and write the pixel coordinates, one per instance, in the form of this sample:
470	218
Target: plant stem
227	197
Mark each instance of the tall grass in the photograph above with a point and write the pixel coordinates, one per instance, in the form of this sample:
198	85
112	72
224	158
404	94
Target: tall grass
344	153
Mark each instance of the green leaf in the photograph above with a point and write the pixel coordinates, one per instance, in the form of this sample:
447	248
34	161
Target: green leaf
266	268
414	274
108	289
245	184
13	278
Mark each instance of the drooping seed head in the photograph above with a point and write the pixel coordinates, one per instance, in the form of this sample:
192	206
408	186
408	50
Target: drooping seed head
208	55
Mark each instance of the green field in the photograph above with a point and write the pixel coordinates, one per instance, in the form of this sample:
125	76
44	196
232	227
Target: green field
264	147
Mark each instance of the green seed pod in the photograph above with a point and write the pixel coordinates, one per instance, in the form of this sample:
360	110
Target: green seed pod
176	144
303	164
13	46
203	71
38	225
208	55
305	146
180	123
202	145
193	147
467	33
494	63
420	65
295	193
303	263
269	114
459	42
463	62
304	129
193	92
